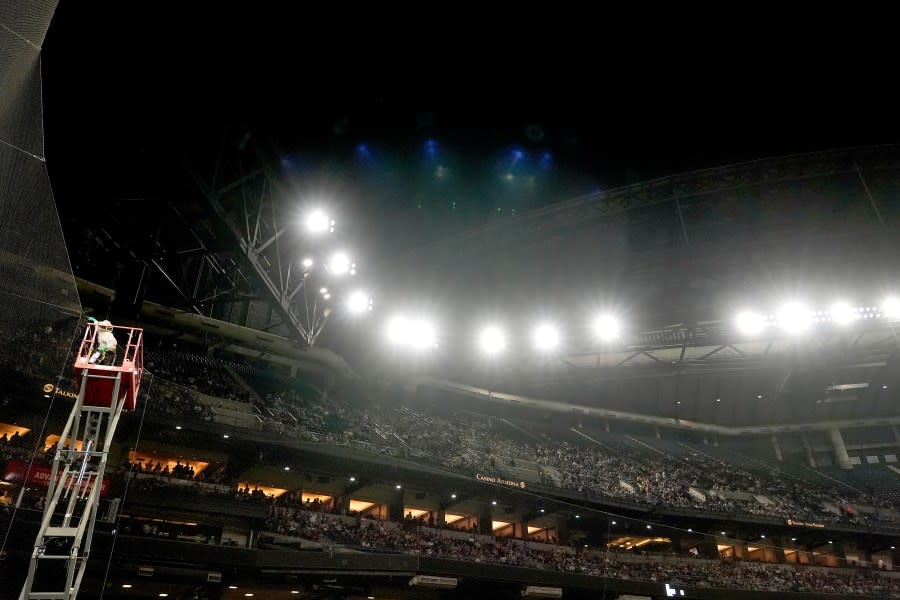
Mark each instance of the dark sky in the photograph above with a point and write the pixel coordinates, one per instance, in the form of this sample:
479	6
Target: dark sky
129	85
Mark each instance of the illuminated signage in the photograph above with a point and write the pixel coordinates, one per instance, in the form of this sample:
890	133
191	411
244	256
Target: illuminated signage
795	523
500	481
39	476
49	388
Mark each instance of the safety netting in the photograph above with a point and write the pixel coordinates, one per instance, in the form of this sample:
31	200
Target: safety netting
39	304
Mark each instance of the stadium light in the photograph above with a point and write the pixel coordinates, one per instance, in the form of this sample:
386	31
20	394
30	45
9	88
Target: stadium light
749	322
606	327
418	334
398	329
340	264
546	337
795	317
890	308
359	302
491	340
422	335
317	222
842	313
307	263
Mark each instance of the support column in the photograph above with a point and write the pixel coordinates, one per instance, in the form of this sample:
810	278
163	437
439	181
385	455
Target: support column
562	530
485	520
896	434
395	505
776	446
840	450
810	458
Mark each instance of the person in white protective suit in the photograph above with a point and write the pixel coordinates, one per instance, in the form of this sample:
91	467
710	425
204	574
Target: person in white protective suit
105	351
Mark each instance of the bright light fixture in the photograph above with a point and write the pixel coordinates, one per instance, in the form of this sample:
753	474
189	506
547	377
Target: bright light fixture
795	317
891	308
418	333
422	335
606	327
749	322
546	337
398	329
318	222
358	302
492	341
340	263
842	313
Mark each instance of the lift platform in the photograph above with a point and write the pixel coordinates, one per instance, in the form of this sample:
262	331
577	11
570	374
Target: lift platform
63	542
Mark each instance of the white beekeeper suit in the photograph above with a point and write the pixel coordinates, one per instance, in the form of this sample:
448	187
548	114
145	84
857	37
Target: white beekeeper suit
106	342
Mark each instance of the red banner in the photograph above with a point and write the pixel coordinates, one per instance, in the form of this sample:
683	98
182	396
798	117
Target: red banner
39	476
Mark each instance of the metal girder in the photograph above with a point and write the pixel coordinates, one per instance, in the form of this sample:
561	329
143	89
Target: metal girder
716	349
251	209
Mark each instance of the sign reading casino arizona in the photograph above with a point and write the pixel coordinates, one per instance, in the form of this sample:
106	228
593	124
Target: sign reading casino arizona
500	481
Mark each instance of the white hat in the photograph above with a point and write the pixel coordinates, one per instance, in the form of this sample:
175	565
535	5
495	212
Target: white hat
105	325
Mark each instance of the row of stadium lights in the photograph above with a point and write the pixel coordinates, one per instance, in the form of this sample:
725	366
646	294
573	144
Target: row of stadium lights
793	318
796	317
419	333
340	264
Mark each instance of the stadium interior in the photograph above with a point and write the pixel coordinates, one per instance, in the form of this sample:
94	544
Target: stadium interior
698	399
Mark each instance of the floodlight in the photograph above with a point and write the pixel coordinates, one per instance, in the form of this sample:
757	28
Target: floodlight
418	334
795	317
606	327
307	263
842	313
317	222
421	335
340	263
546	337
358	302
891	308
492	341
749	322
398	329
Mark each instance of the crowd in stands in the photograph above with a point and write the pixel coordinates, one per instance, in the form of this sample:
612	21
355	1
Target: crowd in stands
17	446
36	348
205	374
616	468
412	538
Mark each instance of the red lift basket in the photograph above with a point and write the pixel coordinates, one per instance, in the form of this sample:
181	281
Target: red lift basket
98	390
